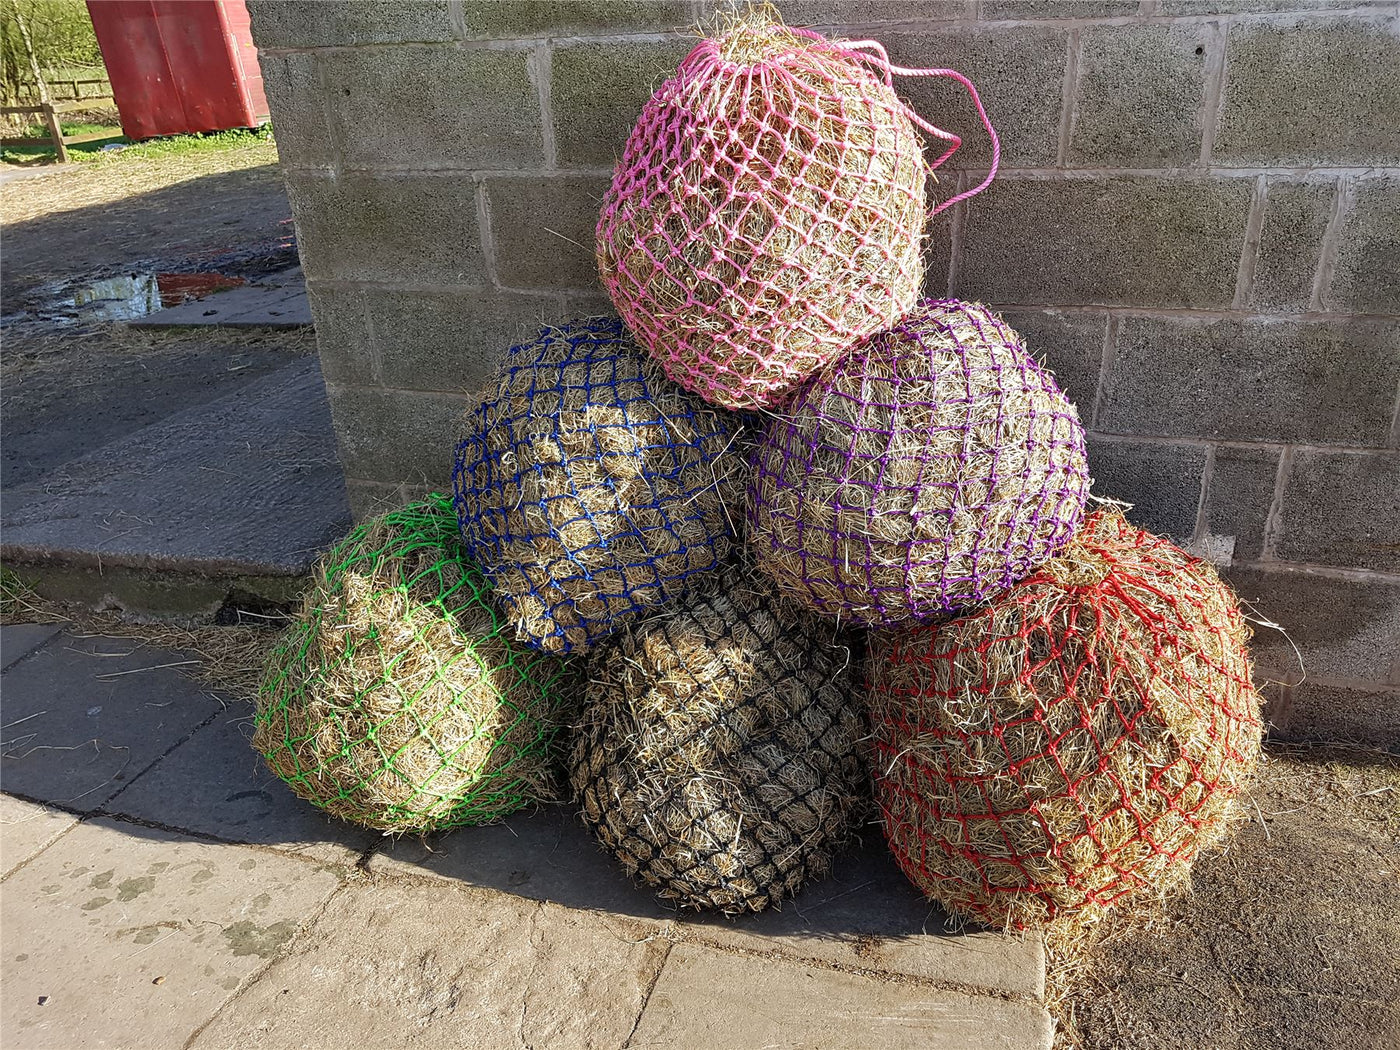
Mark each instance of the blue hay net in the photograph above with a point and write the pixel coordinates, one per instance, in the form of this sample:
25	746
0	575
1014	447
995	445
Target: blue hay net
589	487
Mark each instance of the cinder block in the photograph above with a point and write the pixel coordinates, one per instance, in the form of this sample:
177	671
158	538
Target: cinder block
439	106
1019	73
506	19
1162	482
316	23
1117	241
1140	96
1367	276
597	92
1319	711
1284	380
1236	506
938	245
1310	91
369	498
343	337
542	230
1342	508
1290	243
992	9
450	341
1071	344
364	227
1341	628
393	436
840	13
297	105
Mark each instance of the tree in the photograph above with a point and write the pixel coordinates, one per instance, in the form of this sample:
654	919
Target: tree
62	37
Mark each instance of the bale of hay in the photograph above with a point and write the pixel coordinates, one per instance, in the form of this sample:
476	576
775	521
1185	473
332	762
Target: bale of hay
930	469
1074	745
398	700
589	487
767	212
718	757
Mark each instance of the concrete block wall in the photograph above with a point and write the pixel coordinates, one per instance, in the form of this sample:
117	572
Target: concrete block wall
1197	224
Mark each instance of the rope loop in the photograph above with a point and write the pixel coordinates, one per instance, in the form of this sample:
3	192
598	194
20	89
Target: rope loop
873	53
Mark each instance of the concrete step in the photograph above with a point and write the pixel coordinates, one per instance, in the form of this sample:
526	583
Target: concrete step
241	492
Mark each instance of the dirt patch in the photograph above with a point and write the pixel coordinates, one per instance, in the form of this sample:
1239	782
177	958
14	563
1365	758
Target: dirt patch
1291	938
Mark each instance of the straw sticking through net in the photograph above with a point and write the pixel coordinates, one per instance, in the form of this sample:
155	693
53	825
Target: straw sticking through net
718	755
398	699
929	470
591	488
1073	746
769	209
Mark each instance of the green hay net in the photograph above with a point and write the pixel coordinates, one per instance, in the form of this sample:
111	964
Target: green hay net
399	699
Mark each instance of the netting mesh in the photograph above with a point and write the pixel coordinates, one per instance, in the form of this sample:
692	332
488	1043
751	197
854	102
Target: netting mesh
398	700
1073	745
767	212
591	488
718	756
933	467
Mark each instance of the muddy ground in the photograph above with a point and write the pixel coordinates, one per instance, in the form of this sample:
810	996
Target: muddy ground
1291	938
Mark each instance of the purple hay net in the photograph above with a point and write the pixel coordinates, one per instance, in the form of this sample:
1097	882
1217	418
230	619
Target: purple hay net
932	468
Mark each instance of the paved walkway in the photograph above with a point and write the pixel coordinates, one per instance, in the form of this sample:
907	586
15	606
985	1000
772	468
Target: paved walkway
161	889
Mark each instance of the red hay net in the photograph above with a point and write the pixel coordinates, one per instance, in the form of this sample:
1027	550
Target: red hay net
1072	745
769	210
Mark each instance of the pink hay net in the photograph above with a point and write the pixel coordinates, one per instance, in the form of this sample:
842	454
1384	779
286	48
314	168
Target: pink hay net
769	210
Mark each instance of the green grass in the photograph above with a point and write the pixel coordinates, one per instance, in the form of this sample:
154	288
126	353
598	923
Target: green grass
169	146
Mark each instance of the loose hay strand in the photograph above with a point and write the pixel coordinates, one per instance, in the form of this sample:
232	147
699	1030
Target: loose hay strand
397	700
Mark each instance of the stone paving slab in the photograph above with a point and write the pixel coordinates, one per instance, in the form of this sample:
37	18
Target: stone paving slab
26	828
18	640
866	915
217	784
85	715
428	966
248	483
94	921
706	999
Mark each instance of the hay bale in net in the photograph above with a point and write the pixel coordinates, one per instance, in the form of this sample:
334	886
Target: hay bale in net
768	211
591	488
930	469
398	699
1075	744
718	755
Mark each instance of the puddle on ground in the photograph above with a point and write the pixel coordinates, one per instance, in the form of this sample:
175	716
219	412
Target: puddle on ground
118	298
135	295
158	284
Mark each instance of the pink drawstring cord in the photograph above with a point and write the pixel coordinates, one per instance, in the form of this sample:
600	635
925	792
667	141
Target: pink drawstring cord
880	60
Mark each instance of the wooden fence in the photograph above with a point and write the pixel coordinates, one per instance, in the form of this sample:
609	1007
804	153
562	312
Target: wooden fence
48	113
